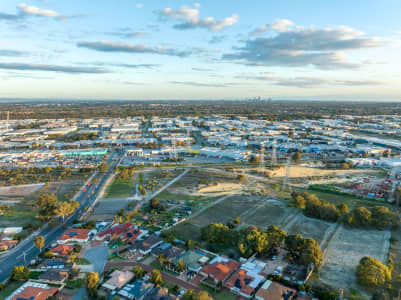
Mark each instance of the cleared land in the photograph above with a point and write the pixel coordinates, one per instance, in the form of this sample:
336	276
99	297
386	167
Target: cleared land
120	188
309	228
344	252
20	190
24	212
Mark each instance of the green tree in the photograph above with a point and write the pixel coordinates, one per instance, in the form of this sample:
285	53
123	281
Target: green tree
20	273
190	244
311	254
343	209
138	272
181	265
372	273
361	216
39	242
276	236
47	206
65	208
189	295
202	295
299	202
156	278
91	281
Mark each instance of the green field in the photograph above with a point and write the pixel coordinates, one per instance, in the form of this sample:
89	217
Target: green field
120	188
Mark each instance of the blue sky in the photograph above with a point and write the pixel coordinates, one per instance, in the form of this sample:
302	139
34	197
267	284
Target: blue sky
146	49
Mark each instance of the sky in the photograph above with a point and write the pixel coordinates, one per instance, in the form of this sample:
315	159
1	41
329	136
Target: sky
150	50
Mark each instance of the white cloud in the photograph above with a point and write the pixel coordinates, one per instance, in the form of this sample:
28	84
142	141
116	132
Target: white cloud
139	5
280	25
191	19
197	5
36	11
108	46
296	46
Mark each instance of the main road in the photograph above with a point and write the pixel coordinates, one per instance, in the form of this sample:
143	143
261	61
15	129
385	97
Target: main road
25	252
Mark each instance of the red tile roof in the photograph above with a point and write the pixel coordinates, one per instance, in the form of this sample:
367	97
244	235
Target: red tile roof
220	270
75	234
240	279
62	250
36	293
115	230
132	234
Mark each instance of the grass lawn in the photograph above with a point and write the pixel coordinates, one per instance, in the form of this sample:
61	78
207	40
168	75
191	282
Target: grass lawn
34	274
120	188
17	216
218	295
10	288
82	261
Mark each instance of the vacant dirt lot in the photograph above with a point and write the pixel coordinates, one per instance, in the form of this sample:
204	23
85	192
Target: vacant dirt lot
20	190
345	250
309	228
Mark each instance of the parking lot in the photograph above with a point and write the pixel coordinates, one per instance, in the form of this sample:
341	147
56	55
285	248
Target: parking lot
279	261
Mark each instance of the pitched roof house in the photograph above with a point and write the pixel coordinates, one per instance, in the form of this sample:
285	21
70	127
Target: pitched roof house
117	280
74	235
62	250
115	230
137	291
33	291
273	290
219	269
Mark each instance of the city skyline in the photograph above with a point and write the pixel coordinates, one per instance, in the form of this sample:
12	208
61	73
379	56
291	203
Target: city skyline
200	50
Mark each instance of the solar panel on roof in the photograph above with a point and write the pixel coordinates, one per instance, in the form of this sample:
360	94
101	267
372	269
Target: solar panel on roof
237	284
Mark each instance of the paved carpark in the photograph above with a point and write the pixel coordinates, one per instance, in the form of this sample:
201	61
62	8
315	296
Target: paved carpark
273	264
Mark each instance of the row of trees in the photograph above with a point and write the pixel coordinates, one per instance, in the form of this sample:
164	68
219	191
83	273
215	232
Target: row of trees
315	208
380	217
18	176
251	241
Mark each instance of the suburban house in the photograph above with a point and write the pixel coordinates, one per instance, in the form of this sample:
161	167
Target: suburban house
55	263
136	291
194	260
74	235
113	231
134	234
247	278
117	280
53	277
145	246
243	282
33	291
218	270
62	250
168	251
273	290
